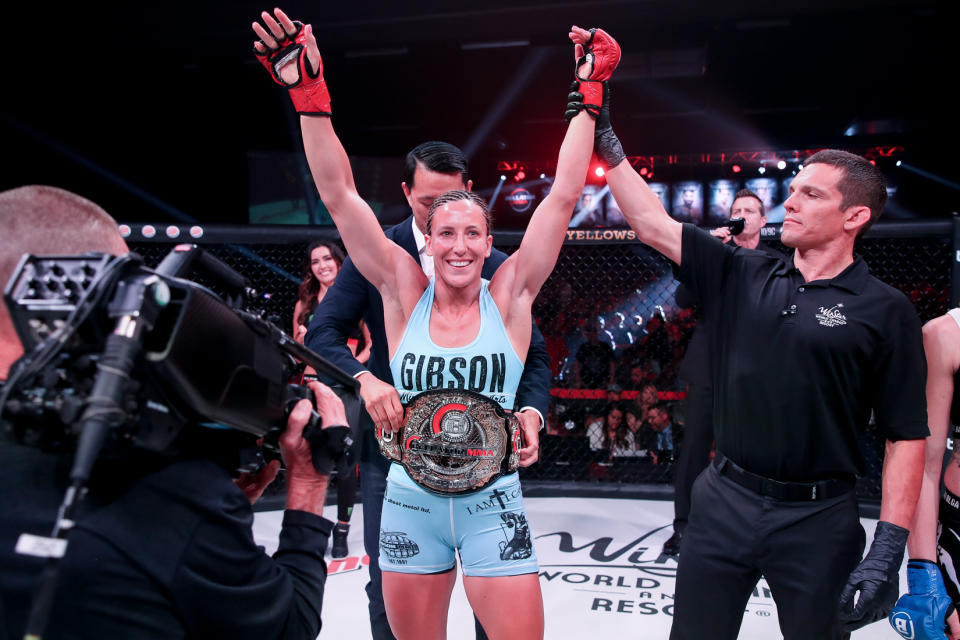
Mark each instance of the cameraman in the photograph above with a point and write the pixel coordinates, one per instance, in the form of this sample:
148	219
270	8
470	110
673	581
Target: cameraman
162	546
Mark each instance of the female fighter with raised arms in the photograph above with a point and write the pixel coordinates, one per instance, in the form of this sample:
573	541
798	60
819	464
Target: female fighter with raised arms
472	334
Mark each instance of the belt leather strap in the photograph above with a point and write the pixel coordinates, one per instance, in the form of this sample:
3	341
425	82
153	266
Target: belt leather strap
790	491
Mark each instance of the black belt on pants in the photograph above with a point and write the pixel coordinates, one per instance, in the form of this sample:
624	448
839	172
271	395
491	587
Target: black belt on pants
796	491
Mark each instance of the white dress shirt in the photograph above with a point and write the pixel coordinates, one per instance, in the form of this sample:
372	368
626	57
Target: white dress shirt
426	260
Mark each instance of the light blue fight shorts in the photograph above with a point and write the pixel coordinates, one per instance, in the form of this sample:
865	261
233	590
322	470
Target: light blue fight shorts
420	532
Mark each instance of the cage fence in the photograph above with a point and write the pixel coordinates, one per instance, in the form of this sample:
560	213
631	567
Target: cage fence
615	335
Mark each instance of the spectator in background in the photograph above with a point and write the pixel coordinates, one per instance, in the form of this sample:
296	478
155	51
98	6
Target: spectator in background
614	394
320	270
659	432
635	372
656	342
609	434
640	373
634	423
647	397
594	366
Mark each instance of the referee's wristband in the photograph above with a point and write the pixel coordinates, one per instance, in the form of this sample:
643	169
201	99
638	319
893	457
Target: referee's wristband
539	415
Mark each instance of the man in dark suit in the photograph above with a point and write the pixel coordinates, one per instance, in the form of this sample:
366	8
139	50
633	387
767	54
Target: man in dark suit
431	168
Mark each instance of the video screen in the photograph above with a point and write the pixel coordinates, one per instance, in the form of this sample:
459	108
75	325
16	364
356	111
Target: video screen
589	210
662	190
687	202
721	199
775	214
614	215
512	203
766	190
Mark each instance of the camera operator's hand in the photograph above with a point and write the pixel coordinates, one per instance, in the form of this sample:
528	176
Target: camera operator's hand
723	233
382	402
254	484
306	489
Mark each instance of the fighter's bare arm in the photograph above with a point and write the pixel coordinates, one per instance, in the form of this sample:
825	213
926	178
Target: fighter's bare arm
383	263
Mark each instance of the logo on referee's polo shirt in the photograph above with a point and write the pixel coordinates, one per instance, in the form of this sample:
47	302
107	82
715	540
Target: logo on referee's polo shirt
831	317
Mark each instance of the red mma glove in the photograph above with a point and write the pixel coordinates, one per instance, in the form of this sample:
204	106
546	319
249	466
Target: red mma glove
603	52
309	92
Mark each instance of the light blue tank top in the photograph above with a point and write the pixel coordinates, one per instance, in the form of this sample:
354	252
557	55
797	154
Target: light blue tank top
487	365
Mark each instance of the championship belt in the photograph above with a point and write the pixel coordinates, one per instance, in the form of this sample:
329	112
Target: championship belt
454	441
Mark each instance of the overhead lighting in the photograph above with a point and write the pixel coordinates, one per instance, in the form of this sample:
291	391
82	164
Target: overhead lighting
782	164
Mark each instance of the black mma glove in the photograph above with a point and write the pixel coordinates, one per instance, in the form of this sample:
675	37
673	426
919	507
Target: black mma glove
877	578
605	141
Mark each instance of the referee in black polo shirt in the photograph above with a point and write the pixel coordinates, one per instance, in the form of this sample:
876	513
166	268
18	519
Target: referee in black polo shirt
802	351
698	430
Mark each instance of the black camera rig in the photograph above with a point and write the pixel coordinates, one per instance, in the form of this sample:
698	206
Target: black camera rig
147	353
121	357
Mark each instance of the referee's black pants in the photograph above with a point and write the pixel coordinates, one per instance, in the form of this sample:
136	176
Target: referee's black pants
805	550
694	451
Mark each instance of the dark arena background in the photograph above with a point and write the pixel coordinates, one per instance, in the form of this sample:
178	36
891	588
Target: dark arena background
160	113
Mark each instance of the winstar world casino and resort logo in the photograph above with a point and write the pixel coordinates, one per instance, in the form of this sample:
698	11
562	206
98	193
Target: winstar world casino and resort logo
618	575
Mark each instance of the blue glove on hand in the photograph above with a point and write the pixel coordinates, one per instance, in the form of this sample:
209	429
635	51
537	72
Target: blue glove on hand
921	614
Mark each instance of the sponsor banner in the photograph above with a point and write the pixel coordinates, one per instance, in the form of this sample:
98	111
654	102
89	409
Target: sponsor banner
600	570
520	200
600	236
619	236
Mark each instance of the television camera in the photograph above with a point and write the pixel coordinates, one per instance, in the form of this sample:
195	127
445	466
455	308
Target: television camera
122	358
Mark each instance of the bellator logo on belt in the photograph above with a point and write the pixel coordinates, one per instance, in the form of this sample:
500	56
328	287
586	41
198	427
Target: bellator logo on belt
454	441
